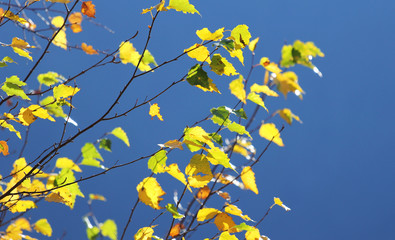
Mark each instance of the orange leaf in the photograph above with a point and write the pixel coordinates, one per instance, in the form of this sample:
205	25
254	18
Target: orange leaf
204	192
75	18
175	230
76	28
88	9
4	148
88	49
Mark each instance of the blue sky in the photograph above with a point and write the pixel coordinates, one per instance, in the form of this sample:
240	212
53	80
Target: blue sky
336	169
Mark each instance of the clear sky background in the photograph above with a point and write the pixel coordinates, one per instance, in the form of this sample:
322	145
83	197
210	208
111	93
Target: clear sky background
336	171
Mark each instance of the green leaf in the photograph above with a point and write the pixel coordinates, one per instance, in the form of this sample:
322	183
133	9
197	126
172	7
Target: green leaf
220	116
243	227
92	233
173	210
217	138
148	58
216	156
12	86
3	63
228	44
49	78
105	144
299	53
89	153
197	76
240	113
91	162
109	229
220	66
52	107
240	129
157	163
120	133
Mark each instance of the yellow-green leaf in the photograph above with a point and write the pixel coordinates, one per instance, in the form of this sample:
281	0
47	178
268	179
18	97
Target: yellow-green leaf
12	86
42	226
241	35
216	156
49	78
11	128
144	233
157	163
173	210
182	6
121	134
253	97
109	229
288	82
60	39
226	236
271	133
240	129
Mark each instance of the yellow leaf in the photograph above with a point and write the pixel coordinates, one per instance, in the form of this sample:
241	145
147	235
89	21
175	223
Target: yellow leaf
248	178
198	134
278	202
60	40
42	226
20	168
237	53
253	234
54	197
159	7
182	6
67	163
227	236
64	91
217	156
10	15
57	21
241	35
270	66
23	224
212	87
271	133
4	148
237	88
224	222
144	233
206	35
263	89
88	9
97	197
174	144
220	66
206	214
20	205
253	97
11	128
88	49
150	192
287	115
198	171
154	111
26	116
19	43
234	210
252	44
40	112
22	53
174	171
288	82
199	52
128	54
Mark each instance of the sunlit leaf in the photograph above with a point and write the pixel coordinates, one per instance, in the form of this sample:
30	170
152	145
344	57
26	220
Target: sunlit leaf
252	44
206	35
50	104
144	233
154	111
270	66
96	197
88	9
299	53
241	35
203	193
157	163
23	224
271	133
11	128
287	115
253	234
198	52
26	116
173	144
278	202
198	171
255	98
197	76
105	144
263	89
288	82
92	233
20	205
109	229
90	155
12	86
150	192
88	49
248	178
175	230
121	134
75	18
173	210
244	227
40	112
64	91
237	88
5	60
8	14
182	6
226	236
224	222
60	40
216	156
234	210
206	214
42	226
240	129
212	87
198	136
66	176
220	66
49	78
175	172
67	163
57	21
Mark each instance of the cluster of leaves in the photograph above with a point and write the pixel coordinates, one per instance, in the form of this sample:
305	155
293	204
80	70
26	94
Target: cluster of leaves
27	183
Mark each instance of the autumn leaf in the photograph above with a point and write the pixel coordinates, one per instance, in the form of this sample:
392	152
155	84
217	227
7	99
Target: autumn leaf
220	66
271	133
175	172
88	49
198	171
20	205
237	88
175	230
217	156
109	229
288	82
299	53
241	35
253	234
97	197
182	6
203	192
206	214
8	14
197	76
173	144
60	40
150	192
154	111
144	233
206	35
278	202
198	52
88	9
224	222
255	98
173	210
49	78
226	236
4	148
252	44
57	21
157	163
67	163
270	66
121	134
64	91
75	19
26	116
11	128
42	226
287	115
248	178
234	210
12	86
263	89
